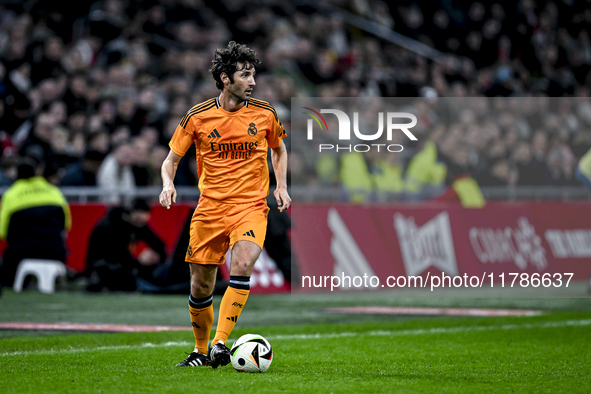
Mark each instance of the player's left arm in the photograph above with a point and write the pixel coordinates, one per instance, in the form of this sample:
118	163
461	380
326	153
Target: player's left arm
279	160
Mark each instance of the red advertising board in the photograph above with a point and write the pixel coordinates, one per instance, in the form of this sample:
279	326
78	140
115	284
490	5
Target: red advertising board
400	240
167	224
408	240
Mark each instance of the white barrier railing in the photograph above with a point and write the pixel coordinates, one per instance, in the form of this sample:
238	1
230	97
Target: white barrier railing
331	194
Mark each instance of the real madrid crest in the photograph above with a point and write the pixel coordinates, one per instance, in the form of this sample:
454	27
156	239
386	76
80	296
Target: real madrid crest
252	130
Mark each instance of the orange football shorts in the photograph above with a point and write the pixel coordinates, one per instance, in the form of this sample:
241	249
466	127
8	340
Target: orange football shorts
215	226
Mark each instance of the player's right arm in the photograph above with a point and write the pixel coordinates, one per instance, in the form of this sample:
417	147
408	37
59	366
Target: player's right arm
169	167
180	142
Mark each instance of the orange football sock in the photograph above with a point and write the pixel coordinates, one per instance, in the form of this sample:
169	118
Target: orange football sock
232	303
201	319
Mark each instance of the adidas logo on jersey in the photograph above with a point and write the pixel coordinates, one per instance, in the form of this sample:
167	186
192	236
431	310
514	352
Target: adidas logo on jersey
249	233
214	134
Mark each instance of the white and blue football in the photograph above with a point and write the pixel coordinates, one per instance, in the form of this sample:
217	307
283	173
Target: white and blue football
251	353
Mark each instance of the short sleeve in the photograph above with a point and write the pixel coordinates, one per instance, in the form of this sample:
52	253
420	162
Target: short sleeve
276	133
182	139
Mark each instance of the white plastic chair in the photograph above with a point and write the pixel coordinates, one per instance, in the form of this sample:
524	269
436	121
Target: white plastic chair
46	272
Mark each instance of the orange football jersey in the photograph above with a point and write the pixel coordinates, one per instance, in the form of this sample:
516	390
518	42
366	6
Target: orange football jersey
231	148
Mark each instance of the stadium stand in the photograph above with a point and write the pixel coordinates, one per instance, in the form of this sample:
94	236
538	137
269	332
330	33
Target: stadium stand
92	76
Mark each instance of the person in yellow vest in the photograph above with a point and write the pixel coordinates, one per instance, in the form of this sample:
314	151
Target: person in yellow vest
34	217
465	190
584	169
425	169
584	175
462	187
388	177
355	177
327	169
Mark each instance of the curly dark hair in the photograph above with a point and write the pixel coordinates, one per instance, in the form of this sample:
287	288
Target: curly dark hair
226	60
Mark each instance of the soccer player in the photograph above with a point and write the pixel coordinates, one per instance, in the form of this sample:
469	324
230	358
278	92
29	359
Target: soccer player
232	134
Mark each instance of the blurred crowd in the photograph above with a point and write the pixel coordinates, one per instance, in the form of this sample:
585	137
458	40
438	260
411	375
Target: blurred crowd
500	141
93	90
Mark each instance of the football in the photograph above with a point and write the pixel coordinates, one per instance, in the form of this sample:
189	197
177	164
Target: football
251	353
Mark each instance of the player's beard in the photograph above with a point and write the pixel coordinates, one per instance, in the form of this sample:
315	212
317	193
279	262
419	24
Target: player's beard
239	93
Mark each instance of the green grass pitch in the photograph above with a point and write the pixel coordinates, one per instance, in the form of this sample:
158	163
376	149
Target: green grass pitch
314	351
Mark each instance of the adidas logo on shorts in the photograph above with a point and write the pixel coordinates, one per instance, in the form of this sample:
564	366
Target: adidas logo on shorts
249	233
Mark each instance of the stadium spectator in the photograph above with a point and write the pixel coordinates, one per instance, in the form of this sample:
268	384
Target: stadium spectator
107	113
157	156
83	172
116	259
38	142
16	86
98	140
141	157
46	60
34	217
75	95
116	173
531	171
8	170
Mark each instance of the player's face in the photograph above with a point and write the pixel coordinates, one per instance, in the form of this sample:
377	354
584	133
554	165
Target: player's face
243	82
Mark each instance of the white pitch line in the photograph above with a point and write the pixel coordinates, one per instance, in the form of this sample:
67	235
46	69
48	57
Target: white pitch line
99	348
435	330
420	331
